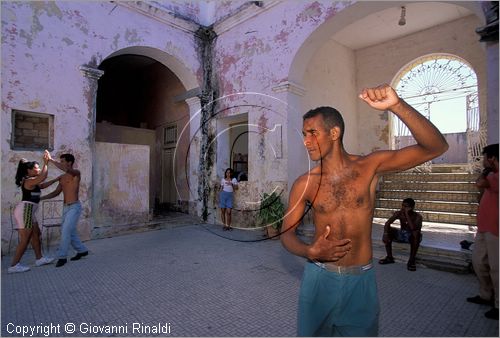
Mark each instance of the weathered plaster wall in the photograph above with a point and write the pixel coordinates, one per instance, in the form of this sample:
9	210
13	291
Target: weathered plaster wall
330	79
123	198
457	143
381	63
43	46
202	12
126	135
255	56
186	9
492	101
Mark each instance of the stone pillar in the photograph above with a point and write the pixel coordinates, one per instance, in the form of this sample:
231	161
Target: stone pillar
93	75
492	85
194	103
489	35
297	158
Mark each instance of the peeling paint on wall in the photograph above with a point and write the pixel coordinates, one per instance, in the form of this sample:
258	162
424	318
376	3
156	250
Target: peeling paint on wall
67	41
384	134
44	46
79	21
124	198
35	104
311	12
50	8
132	37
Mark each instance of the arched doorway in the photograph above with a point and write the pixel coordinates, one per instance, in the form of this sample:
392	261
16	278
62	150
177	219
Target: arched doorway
362	46
444	88
139	109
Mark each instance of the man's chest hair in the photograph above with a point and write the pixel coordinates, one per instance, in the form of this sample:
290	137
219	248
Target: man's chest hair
68	179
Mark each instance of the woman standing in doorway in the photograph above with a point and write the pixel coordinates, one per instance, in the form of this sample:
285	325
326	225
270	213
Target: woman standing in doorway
29	177
228	185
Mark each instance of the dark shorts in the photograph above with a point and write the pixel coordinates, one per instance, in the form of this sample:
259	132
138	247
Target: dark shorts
402	236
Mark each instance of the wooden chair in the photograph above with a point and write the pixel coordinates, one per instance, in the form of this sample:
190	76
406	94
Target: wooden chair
51	217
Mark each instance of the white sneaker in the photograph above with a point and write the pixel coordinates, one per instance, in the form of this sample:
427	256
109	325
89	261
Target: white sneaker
43	261
18	268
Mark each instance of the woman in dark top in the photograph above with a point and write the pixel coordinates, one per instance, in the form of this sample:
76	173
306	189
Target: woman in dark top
29	178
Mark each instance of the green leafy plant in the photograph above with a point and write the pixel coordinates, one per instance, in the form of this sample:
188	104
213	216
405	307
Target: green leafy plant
271	210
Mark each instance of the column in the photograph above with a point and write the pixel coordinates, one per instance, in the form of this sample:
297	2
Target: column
297	158
489	35
194	103
93	75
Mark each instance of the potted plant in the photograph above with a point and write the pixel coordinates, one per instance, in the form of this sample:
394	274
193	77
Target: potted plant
271	213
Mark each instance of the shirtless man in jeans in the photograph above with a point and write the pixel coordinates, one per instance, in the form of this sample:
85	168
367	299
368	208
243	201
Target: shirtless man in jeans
69	185
338	295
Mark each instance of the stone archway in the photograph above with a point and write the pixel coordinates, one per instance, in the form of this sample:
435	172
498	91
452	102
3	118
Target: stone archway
344	18
140	107
341	32
186	77
444	88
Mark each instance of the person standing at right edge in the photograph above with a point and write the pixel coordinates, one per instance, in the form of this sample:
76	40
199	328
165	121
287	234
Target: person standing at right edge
485	252
69	184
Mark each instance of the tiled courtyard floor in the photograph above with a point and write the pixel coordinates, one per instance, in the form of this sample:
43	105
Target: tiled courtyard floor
195	283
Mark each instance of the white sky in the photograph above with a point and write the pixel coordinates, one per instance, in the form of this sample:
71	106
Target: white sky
449	116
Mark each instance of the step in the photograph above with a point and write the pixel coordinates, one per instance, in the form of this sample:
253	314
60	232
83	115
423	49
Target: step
431	177
440	168
453	207
436	217
449	168
428	186
467	197
434	258
440	248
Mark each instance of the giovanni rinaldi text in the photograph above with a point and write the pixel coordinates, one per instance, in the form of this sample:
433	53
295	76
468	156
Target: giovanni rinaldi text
87	328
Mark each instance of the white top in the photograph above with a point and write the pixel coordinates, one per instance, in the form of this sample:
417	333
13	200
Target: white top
226	184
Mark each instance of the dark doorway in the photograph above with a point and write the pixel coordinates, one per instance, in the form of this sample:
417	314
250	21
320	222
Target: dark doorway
135	104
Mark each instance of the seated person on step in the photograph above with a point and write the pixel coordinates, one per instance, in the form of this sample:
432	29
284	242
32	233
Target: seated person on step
410	232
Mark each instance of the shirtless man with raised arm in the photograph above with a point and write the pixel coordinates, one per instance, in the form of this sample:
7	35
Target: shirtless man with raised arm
69	185
338	295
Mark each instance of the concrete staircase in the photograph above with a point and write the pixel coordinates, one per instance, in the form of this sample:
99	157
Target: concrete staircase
441	197
447	198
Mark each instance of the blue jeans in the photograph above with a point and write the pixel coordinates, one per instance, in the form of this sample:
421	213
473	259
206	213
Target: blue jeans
69	234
